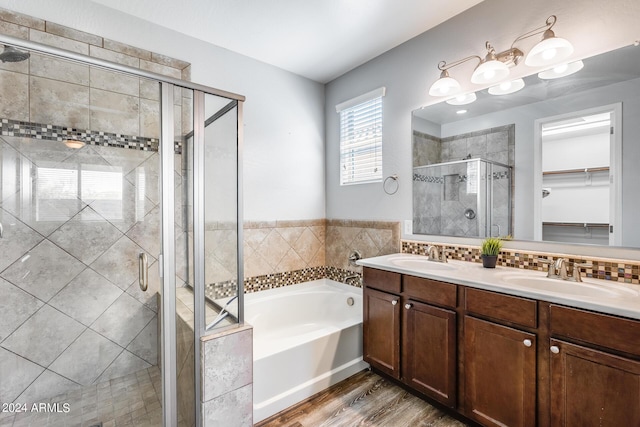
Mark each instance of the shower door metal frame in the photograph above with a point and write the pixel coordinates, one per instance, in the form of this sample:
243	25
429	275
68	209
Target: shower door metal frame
168	256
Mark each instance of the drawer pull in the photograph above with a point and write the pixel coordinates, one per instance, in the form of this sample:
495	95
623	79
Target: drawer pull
555	349
408	306
527	343
394	302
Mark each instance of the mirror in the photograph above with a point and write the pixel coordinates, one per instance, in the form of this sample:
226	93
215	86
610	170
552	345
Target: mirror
515	130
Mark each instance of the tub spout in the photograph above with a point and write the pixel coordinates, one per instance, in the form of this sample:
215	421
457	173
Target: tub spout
353	276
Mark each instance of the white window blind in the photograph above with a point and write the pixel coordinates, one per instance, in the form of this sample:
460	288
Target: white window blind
361	138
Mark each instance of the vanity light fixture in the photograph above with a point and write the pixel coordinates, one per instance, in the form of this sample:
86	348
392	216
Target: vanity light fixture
490	69
494	67
505	88
561	70
463	99
445	85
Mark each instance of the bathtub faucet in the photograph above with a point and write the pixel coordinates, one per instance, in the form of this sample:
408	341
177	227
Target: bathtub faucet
353	276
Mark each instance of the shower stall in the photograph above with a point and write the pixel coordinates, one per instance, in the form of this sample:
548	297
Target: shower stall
120	236
469	198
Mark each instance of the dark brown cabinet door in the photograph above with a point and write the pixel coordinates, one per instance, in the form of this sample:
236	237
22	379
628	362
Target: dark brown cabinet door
593	388
500	374
381	331
429	351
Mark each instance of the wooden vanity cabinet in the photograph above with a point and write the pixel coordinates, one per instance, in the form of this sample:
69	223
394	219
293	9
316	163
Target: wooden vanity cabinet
595	380
381	326
429	348
503	360
409	339
500	361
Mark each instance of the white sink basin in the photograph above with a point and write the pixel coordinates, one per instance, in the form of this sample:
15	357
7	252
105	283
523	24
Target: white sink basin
558	286
416	263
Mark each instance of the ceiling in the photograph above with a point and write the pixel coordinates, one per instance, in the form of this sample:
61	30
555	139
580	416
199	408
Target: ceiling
318	39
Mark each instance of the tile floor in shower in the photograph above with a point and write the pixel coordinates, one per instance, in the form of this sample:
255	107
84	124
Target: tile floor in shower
132	400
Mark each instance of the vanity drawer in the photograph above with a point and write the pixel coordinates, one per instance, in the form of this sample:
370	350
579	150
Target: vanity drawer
521	311
612	332
381	280
430	291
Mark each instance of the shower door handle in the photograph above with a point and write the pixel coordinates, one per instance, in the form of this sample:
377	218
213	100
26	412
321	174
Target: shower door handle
1	231
143	271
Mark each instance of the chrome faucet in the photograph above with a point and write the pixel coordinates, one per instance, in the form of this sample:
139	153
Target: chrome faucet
561	268
558	269
436	254
575	274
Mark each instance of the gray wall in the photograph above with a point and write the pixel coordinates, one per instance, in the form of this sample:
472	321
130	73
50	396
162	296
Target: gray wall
408	70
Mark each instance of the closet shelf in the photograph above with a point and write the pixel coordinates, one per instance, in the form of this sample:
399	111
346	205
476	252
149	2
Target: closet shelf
577	224
568	171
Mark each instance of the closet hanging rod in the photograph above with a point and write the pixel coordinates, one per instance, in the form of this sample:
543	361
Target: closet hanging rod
577	224
585	170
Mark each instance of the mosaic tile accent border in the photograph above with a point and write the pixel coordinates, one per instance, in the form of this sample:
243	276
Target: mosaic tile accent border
424	178
623	271
9	127
461	178
278	280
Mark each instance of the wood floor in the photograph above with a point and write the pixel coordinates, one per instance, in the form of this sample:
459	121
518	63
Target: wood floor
364	399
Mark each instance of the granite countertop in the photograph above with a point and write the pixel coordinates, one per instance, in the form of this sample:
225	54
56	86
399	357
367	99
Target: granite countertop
604	296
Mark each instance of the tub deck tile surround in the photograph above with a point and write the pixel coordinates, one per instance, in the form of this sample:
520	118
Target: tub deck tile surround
363	399
617	270
227	377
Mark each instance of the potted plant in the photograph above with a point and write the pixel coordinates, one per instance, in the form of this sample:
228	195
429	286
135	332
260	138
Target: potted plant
490	249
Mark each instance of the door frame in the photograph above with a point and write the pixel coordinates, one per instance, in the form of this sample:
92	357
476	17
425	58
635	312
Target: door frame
615	166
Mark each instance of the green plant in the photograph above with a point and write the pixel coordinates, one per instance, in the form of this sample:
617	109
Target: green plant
491	246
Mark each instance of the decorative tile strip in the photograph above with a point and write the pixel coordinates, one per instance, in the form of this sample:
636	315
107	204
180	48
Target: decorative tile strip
424	178
277	280
9	127
607	269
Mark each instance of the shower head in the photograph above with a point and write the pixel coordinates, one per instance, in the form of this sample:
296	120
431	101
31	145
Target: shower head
11	54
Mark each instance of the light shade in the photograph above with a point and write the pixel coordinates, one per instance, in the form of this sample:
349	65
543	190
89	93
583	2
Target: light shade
561	70
444	86
73	143
489	71
506	88
549	50
463	99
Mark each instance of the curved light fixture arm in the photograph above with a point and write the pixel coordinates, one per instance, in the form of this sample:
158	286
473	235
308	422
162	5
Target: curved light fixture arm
549	23
443	66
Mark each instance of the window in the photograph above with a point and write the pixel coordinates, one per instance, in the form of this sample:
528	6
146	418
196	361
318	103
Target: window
361	138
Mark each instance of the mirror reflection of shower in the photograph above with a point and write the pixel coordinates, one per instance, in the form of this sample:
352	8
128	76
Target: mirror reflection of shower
470	198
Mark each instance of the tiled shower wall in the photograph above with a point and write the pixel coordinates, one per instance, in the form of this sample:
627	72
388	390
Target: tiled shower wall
436	209
50	91
76	220
74	224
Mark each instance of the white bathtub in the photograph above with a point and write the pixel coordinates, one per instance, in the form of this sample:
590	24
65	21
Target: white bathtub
306	338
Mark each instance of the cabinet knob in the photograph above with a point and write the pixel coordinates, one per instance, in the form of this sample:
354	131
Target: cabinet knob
408	306
527	343
394	302
554	349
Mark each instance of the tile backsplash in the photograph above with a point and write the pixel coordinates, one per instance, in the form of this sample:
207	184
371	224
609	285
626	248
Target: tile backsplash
282	253
618	270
